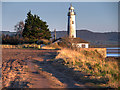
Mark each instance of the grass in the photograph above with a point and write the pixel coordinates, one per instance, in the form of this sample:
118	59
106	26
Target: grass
52	46
91	63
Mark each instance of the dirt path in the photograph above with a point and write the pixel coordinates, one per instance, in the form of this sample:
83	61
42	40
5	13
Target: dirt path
38	81
33	69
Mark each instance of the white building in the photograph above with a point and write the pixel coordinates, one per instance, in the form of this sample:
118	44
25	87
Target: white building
80	43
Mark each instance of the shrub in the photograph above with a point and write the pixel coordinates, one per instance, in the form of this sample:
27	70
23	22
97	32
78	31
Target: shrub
54	45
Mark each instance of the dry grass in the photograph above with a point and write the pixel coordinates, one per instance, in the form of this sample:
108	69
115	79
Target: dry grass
47	47
91	63
22	46
52	46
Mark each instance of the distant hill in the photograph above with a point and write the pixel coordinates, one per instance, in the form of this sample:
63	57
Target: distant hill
95	38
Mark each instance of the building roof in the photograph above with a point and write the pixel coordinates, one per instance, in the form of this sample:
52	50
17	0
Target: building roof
78	40
73	40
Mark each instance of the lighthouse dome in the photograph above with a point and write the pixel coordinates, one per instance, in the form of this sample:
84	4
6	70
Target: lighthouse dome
71	8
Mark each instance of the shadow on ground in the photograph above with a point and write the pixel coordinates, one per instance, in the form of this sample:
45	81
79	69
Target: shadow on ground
45	61
20	84
67	75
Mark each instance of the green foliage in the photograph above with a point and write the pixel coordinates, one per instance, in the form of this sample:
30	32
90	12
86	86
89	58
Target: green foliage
80	64
86	52
89	65
35	28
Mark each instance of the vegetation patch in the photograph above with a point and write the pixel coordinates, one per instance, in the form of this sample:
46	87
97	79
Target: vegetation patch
98	70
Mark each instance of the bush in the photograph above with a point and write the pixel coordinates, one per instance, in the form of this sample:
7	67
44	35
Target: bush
43	41
55	45
67	42
12	40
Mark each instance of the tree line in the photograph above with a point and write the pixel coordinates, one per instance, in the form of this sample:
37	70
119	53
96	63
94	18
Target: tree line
33	30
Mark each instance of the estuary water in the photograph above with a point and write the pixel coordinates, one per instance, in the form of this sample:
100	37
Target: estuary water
113	52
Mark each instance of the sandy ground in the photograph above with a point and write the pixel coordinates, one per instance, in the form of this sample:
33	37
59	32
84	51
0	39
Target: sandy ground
27	68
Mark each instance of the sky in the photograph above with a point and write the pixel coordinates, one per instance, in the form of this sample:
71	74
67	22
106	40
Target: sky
93	16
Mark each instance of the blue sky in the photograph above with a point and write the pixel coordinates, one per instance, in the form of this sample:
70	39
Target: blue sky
93	16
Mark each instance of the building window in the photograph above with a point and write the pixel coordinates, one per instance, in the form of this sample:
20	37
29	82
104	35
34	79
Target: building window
72	22
83	45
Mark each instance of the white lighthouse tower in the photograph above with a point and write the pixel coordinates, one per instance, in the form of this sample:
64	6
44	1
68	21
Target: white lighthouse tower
71	23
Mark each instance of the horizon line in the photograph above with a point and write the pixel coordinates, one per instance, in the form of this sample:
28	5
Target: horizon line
76	30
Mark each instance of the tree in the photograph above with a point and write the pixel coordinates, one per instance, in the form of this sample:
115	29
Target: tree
35	29
19	28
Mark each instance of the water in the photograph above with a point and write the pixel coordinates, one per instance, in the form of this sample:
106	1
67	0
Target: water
113	48
113	52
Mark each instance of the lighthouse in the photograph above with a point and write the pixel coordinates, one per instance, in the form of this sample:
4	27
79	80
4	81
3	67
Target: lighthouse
71	23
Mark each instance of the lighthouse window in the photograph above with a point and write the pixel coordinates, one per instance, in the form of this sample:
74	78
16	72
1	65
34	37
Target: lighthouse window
72	22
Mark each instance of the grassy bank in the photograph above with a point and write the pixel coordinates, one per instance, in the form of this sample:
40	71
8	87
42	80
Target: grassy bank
93	67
